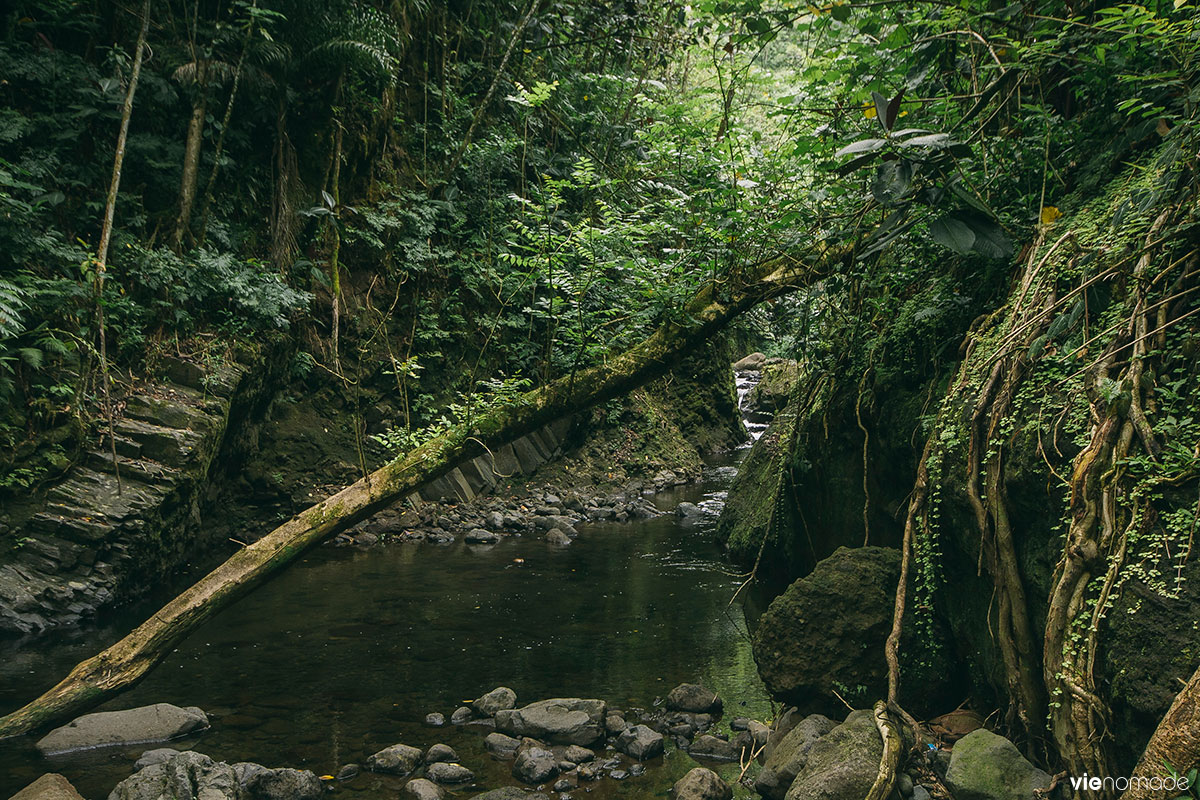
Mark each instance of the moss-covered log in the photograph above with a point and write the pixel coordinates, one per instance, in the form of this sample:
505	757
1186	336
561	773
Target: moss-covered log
122	665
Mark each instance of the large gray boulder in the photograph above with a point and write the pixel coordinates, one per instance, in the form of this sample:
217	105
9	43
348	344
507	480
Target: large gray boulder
501	698
50	786
985	766
789	756
701	784
569	720
399	759
842	764
282	784
157	723
187	776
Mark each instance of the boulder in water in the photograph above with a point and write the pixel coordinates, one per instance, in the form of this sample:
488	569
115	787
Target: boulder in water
569	720
640	742
399	759
422	789
499	699
750	363
445	773
157	723
694	698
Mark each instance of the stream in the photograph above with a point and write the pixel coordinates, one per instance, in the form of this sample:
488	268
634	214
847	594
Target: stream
348	650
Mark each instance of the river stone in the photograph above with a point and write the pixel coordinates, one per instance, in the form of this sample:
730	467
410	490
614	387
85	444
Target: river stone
615	723
50	786
749	363
557	537
481	536
842	764
711	747
460	715
985	766
701	784
399	759
440	752
187	776
812	637
444	773
156	756
789	756
435	720
534	765
560	720
499	699
284	784
694	698
500	745
422	789
579	755
157	723
511	793
640	742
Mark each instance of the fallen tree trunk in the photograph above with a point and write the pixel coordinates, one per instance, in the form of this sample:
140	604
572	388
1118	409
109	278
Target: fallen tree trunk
1174	748
123	664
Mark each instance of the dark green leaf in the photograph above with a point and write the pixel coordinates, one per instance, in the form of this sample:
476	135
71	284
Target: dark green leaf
950	231
861	146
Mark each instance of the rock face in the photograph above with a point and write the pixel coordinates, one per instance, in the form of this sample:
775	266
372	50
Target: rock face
559	721
640	742
842	764
789	756
86	545
813	636
399	759
984	766
157	723
51	786
694	698
501	698
701	784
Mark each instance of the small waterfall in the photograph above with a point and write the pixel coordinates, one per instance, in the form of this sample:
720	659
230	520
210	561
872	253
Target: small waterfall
756	422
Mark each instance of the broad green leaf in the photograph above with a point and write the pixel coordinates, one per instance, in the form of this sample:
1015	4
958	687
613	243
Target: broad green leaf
861	146
950	231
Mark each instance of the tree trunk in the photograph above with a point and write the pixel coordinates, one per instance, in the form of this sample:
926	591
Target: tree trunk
191	158
120	666
106	227
1176	742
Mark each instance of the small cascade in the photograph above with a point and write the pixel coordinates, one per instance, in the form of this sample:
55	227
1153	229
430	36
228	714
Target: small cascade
756	422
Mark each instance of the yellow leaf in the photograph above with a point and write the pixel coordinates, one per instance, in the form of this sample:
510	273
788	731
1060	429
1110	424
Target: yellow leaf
326	777
1049	214
869	111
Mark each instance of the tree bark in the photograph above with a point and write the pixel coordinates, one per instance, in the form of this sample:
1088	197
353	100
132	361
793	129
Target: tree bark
1176	742
191	158
122	665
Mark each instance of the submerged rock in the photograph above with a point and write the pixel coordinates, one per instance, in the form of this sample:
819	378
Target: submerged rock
569	720
985	766
50	786
435	720
399	759
500	745
557	537
440	752
422	789
445	773
694	698
499	699
640	742
534	765
711	747
701	784
157	723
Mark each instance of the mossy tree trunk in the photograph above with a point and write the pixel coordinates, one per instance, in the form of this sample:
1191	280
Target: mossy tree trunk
122	665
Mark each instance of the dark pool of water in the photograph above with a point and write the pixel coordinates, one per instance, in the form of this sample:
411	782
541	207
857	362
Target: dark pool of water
348	650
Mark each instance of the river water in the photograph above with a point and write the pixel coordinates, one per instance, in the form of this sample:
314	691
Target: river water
347	651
